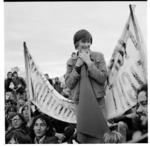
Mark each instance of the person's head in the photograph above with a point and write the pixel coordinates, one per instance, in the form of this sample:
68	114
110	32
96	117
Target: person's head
41	125
18	121
25	111
142	108
113	137
56	80
15	74
11	110
82	40
21	100
47	76
9	75
10	102
17	136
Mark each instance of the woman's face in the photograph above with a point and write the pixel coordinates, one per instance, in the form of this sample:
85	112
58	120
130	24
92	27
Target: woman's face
9	76
84	45
11	112
21	102
25	112
12	141
40	128
16	122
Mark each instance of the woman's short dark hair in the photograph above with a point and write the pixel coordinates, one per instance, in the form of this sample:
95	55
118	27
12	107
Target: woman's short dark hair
9	73
14	73
11	108
81	35
19	135
47	120
11	101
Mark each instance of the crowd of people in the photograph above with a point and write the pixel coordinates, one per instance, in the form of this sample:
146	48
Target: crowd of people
42	129
26	124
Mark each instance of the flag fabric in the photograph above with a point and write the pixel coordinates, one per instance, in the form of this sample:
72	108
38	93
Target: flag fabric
127	69
43	95
91	124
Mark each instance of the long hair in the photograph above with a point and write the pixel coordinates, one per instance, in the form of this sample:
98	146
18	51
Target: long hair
23	108
19	136
46	119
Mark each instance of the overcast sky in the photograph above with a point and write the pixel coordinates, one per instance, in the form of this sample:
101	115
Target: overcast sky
48	29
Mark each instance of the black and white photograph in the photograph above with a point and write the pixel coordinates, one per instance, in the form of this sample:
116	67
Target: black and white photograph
75	72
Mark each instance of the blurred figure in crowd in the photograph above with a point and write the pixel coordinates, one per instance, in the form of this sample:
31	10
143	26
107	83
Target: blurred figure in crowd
9	92
10	102
142	107
47	77
21	102
8	81
10	111
19	84
57	85
17	136
113	137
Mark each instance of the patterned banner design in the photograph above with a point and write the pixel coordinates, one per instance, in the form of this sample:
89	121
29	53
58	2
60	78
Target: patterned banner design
127	70
44	96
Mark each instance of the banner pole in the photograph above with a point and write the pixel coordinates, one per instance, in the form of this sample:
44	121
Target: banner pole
138	39
27	76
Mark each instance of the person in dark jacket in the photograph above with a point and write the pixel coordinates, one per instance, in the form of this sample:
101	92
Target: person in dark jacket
57	85
19	83
41	131
8	81
50	81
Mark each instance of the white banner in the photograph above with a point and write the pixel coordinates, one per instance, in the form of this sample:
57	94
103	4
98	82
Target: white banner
127	69
44	96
